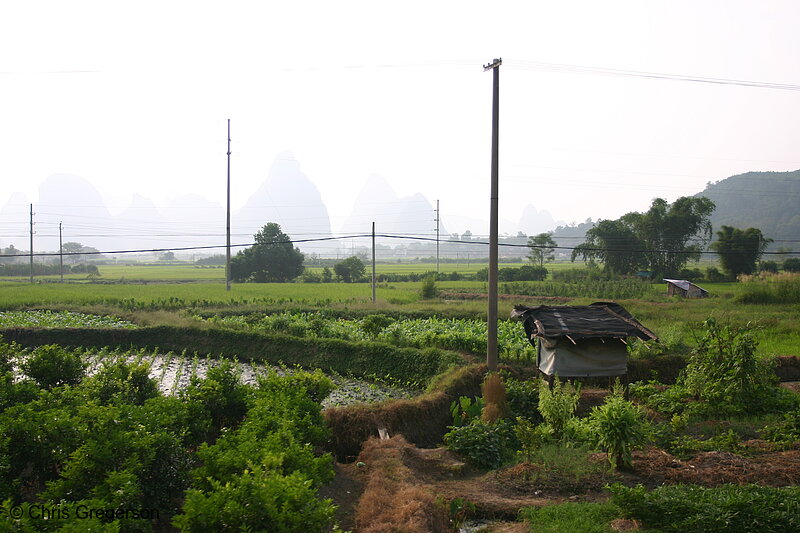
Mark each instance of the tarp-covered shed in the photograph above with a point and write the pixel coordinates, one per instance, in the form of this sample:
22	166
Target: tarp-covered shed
684	288
581	340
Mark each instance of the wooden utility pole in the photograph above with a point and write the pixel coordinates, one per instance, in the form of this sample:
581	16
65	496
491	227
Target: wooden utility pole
228	219
491	341
60	254
31	243
437	236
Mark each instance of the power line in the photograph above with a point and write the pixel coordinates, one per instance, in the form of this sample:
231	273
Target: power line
601	71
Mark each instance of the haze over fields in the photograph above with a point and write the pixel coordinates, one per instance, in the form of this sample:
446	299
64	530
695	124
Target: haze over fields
766	200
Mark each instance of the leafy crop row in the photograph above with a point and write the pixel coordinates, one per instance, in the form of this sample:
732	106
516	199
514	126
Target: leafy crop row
468	335
59	319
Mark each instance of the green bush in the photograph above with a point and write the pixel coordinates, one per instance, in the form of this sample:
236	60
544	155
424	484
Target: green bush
523	398
690	509
726	375
483	445
257	500
619	427
428	289
792	264
557	405
51	366
122	383
786	431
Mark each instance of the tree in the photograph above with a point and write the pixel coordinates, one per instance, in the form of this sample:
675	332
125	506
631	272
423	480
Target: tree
661	239
739	250
672	233
615	245
271	259
76	248
167	256
542	247
350	269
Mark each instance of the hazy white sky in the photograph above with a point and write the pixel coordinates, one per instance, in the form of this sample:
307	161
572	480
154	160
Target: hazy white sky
134	97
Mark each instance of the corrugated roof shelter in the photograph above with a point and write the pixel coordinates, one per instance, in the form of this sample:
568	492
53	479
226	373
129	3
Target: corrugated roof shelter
581	340
687	289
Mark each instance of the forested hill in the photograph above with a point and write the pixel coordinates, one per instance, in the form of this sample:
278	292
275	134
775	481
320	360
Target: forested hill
769	201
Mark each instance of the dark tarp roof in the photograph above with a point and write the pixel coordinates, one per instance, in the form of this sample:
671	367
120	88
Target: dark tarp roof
600	319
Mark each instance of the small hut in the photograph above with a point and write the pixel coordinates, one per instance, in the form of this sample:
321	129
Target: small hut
581	340
687	289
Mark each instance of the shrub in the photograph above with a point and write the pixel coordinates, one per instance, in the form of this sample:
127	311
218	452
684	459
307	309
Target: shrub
724	372
713	274
257	500
557	405
373	325
792	264
481	444
51	365
523	399
122	383
768	266
689	508
428	289
619	427
786	431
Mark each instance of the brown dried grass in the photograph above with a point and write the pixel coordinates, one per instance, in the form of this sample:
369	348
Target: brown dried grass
394	501
494	396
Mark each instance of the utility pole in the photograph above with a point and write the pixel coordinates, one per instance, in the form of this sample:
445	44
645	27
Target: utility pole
31	243
373	263
60	253
228	219
437	236
491	344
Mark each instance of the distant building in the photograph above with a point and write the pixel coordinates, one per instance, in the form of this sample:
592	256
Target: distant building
684	288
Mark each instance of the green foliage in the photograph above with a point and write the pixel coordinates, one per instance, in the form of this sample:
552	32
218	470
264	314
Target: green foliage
350	270
121	383
583	517
51	366
257	499
59	319
768	266
777	289
662	239
483	445
725	374
739	250
619	427
557	405
614	244
459	510
219	397
522	397
465	410
786	431
791	264
271	259
542	247
428	289
532	437
689	508
373	325
616	289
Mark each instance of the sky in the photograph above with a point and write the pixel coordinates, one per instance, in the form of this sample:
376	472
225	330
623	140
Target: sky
134	97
